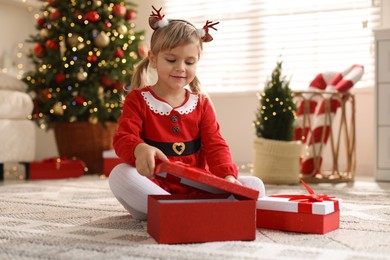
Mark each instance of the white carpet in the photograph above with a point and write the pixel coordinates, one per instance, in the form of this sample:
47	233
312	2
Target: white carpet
80	219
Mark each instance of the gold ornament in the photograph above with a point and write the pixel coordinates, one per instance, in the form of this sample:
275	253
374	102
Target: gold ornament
62	48
44	33
101	93
122	29
73	40
58	110
102	40
82	75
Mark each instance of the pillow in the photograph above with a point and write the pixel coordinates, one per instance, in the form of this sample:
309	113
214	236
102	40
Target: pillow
15	104
10	82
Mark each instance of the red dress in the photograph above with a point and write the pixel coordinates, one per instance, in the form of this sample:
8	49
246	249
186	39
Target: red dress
147	118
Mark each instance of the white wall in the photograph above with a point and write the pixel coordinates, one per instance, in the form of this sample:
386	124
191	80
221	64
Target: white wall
16	21
235	111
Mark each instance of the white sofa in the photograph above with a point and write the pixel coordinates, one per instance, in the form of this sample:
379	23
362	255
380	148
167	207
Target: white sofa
17	132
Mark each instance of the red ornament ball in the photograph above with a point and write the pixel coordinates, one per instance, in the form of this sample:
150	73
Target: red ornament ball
119	10
41	21
39	50
55	15
79	100
51	44
92	58
108	24
106	81
92	16
119	85
119	53
59	77
46	93
130	15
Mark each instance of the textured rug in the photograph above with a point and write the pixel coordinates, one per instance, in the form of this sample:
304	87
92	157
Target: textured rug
80	219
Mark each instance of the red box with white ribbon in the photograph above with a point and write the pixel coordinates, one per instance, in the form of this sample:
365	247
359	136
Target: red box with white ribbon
312	213
221	211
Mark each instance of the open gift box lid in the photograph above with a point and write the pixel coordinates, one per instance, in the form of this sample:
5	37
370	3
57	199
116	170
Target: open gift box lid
186	175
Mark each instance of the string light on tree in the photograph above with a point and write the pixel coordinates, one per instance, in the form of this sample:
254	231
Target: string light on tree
80	56
276	113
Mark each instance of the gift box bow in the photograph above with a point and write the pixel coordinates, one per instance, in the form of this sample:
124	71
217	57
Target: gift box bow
306	201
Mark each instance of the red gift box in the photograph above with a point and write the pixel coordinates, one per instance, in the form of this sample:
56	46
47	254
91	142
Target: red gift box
56	168
110	160
221	211
316	214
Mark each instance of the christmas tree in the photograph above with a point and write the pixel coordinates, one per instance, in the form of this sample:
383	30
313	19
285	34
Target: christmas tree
83	57
276	113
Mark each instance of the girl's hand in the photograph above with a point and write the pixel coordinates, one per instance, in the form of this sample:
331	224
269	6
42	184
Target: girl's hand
232	179
145	156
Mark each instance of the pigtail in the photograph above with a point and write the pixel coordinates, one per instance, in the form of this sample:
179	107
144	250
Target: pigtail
138	80
195	85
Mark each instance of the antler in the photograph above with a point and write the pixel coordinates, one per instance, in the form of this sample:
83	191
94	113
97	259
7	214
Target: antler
156	20
157	15
210	24
206	37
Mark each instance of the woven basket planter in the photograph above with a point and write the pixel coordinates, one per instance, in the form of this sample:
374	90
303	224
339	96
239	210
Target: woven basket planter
85	141
277	162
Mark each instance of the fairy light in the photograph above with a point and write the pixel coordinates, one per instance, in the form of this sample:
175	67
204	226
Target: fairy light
69	60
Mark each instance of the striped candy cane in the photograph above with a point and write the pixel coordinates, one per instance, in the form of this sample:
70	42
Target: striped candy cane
342	82
307	105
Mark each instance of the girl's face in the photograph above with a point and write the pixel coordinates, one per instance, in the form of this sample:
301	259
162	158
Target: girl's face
176	68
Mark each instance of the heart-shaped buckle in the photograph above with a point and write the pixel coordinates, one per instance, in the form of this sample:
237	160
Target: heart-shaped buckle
178	148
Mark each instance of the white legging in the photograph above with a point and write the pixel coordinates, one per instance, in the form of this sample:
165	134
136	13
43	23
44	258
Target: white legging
132	189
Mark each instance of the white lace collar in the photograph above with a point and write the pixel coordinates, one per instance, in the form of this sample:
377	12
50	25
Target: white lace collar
163	108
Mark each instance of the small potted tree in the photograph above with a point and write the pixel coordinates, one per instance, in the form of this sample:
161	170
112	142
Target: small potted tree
276	155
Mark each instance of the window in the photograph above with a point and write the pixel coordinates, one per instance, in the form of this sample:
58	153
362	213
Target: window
308	36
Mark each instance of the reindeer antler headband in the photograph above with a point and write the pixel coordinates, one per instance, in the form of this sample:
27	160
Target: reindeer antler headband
156	20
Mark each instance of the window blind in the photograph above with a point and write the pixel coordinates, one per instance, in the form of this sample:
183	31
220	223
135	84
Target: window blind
310	37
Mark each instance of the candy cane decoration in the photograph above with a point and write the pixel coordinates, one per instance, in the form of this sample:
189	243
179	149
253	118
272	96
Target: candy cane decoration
342	82
308	103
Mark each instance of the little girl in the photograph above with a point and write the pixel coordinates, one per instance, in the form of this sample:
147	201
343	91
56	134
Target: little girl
167	121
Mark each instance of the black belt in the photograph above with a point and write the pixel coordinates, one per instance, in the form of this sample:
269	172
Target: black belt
176	149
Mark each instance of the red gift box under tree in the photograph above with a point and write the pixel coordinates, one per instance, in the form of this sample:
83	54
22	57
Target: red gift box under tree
56	168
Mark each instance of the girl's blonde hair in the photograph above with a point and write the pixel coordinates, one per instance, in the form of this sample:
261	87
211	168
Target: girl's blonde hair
175	34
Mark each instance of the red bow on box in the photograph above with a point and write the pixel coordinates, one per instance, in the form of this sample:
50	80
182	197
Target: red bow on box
305	200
